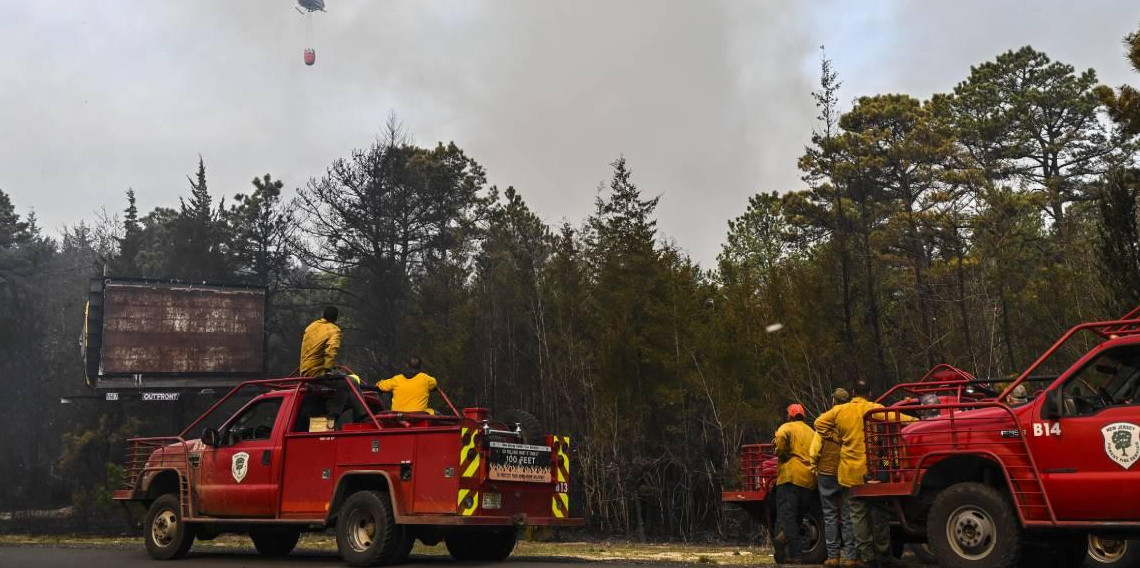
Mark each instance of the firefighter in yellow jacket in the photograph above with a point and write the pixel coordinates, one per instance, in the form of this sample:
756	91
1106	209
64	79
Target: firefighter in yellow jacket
839	533
844	423
320	345
795	481
411	389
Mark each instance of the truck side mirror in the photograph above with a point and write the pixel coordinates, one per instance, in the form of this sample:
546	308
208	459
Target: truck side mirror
1054	403
211	438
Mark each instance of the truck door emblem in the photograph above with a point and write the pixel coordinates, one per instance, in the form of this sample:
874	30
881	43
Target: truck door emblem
1122	443
239	466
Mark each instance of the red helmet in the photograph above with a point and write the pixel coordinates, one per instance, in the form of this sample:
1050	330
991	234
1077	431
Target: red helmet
795	410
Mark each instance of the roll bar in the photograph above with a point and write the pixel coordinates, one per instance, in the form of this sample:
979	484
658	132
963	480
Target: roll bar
296	383
1129	325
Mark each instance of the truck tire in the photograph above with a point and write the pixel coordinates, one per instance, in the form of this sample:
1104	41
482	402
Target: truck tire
167	536
1111	553
972	525
481	545
811	531
274	543
366	531
531	428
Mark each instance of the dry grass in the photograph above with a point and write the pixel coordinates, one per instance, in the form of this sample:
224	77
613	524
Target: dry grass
569	551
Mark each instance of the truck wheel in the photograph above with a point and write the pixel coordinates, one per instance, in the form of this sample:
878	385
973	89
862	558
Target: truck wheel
972	525
1112	553
532	431
274	542
167	536
489	545
366	531
811	534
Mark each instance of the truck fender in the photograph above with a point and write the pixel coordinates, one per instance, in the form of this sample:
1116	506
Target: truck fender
155	484
984	467
355	480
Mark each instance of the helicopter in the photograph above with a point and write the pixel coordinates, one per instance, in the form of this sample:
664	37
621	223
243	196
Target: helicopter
310	6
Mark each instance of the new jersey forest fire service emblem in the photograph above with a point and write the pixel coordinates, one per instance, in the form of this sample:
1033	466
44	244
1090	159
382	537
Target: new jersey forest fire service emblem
1122	443
239	466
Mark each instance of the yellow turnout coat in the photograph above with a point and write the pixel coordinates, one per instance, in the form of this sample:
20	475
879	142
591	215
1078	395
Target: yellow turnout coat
319	348
844	424
793	446
409	394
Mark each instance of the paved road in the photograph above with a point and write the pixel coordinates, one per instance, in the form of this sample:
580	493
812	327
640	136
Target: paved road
46	557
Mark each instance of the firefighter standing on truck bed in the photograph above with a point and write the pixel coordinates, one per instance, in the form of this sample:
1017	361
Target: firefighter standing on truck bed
320	345
845	423
410	390
795	481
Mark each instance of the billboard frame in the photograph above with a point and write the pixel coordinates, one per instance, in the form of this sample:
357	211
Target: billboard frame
91	342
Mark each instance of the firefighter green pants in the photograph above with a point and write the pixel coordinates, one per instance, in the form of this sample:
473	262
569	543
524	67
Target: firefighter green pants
872	531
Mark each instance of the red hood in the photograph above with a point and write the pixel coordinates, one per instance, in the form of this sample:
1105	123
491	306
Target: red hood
166	454
979	426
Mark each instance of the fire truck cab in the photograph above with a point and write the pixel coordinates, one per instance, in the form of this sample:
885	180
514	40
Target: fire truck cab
1040	474
265	463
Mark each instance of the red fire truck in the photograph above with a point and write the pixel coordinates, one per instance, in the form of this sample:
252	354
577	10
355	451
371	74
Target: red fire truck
1041	474
265	463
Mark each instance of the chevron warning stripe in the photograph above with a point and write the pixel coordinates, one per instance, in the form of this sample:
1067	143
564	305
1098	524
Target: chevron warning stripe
560	505
469	458
468	502
560	501
562	461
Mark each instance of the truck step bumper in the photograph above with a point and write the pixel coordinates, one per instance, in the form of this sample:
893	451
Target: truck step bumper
743	496
868	490
484	521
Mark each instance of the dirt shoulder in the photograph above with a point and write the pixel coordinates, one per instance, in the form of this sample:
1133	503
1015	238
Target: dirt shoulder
616	552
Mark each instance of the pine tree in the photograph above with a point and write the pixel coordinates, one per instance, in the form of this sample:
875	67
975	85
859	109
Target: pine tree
1120	236
199	235
1034	120
130	243
198	209
825	208
261	226
1124	104
12	230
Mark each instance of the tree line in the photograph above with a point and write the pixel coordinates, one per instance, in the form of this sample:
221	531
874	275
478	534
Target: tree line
970	228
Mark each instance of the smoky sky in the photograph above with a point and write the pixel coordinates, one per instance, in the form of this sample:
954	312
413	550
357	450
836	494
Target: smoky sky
708	100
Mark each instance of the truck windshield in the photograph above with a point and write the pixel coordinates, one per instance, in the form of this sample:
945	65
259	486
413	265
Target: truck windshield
217	416
256	421
1109	380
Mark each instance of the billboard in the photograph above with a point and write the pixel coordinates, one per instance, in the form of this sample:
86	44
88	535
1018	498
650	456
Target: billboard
162	333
